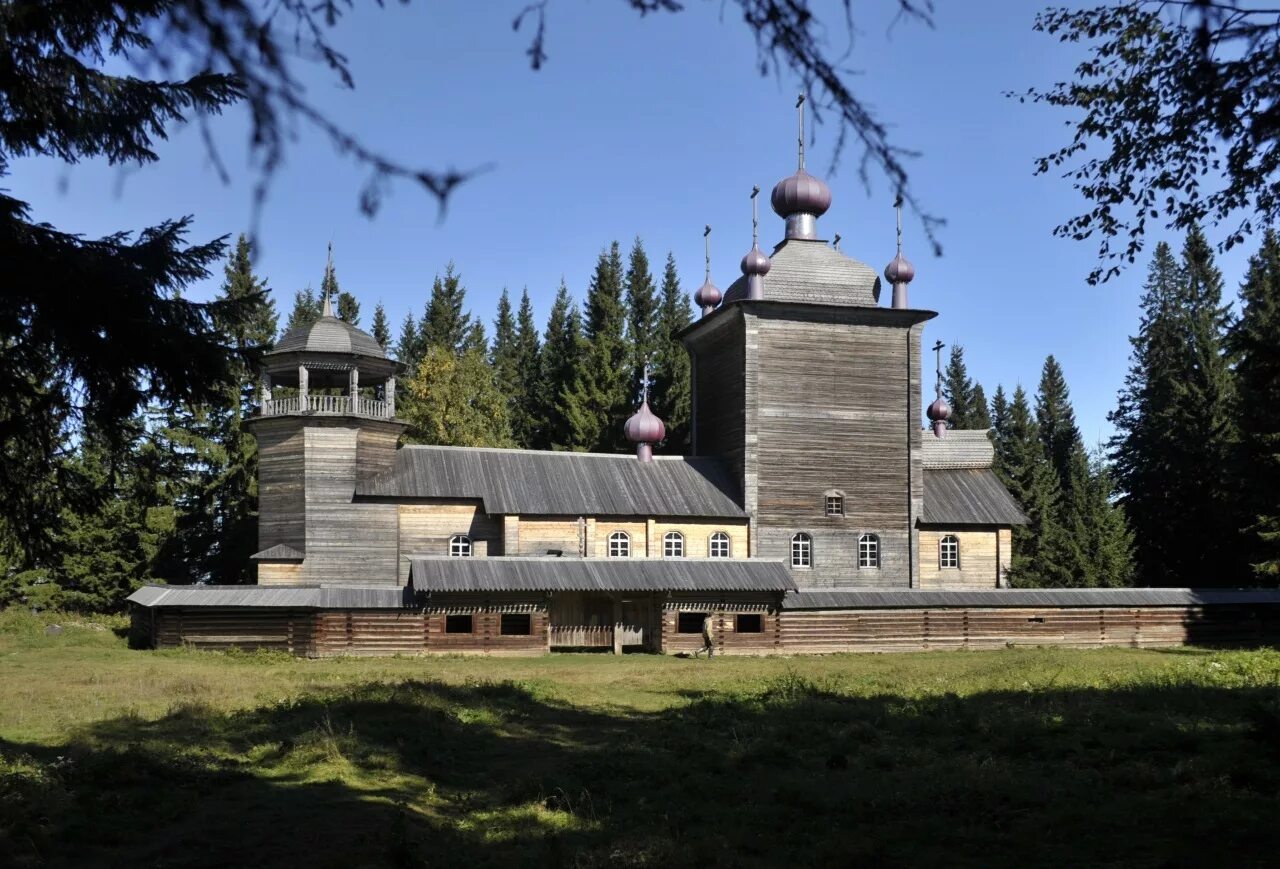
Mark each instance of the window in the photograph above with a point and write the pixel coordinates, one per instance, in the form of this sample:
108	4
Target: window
516	625
949	551
690	623
460	546
619	545
868	551
457	624
802	550
835	504
749	624
673	545
719	545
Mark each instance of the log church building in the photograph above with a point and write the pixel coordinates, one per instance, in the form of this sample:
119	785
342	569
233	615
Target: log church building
814	513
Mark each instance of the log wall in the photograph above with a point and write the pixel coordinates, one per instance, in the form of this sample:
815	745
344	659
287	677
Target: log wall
425	529
981	559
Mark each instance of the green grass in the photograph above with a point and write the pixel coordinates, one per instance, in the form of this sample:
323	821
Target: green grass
1022	757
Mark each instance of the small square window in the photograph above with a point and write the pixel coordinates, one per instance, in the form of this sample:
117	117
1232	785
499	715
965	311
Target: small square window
835	505
516	625
690	623
749	623
457	624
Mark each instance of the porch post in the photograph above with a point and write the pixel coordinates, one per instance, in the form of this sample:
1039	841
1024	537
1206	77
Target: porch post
266	393
353	383
390	395
617	625
302	388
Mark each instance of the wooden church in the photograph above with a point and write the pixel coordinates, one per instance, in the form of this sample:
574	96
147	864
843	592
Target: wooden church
814	513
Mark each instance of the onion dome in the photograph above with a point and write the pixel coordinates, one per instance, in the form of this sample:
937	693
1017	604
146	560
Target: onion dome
708	296
755	262
644	427
899	270
801	193
939	413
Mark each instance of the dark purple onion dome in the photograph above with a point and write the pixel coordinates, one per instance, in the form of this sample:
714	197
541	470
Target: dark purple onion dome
644	427
755	262
801	193
899	270
708	296
939	411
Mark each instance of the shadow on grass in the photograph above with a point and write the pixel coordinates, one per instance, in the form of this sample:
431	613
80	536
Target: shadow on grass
426	774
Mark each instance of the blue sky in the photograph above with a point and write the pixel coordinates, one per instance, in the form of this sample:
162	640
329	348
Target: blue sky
654	127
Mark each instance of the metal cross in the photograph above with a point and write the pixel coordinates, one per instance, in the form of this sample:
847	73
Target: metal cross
800	108
706	235
937	348
755	218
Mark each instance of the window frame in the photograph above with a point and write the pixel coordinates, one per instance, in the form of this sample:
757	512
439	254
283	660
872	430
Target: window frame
623	541
720	537
685	624
463	543
525	620
758	620
953	542
836	496
868	551
801	551
673	545
452	619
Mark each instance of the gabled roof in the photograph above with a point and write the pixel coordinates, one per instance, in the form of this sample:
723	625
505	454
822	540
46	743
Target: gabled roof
598	574
960	448
279	552
533	482
328	335
284	596
968	496
813	271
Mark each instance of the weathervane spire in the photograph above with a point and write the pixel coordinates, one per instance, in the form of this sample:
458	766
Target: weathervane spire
897	208
326	308
939	412
937	389
755	217
800	138
706	237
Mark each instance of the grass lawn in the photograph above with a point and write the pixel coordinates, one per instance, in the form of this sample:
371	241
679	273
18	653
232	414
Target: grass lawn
112	757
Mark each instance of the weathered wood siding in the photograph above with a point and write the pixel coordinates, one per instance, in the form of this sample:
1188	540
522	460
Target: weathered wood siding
540	534
897	630
605	527
425	529
281	505
832	402
725	636
979	559
697	537
369	633
718	356
279	574
346	542
235	628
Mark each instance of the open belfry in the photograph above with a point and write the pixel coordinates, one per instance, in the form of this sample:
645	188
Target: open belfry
815	513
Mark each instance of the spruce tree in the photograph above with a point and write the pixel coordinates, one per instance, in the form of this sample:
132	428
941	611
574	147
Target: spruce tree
1056	420
958	390
671	370
409	347
642	315
306	310
1255	343
446	322
526	422
1174	429
999	424
599	400
348	308
561	354
502	354
980	417
381	327
1042	556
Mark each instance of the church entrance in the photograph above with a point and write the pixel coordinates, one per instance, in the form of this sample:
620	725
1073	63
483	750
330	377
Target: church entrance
593	621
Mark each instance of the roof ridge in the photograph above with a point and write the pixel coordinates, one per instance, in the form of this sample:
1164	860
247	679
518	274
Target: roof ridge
525	452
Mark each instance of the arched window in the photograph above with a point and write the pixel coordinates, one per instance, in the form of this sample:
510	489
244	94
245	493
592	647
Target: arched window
802	550
835	503
619	545
949	551
460	546
673	545
719	547
869	551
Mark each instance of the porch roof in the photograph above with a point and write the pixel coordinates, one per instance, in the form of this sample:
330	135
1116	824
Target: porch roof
598	574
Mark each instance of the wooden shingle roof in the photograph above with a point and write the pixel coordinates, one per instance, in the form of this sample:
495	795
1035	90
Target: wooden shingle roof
598	574
814	272
328	335
961	448
533	482
968	496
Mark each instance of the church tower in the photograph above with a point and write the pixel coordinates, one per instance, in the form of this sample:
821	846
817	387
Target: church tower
810	389
326	421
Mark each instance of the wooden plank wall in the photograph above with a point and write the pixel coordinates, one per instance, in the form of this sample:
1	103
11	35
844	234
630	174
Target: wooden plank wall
235	628
723	609
486	637
278	573
719	384
979	561
425	529
891	630
830	411
281	507
540	534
